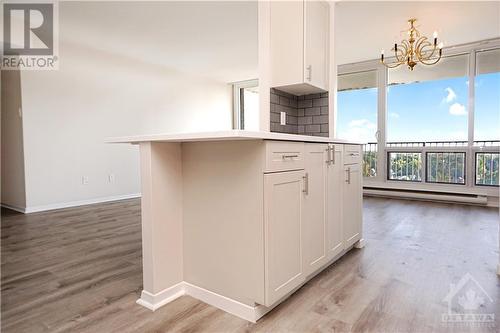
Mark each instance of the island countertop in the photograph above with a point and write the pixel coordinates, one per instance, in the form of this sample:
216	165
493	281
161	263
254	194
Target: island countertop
226	135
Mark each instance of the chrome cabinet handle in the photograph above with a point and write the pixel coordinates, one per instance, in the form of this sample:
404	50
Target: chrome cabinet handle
354	154
289	156
309	73
333	154
328	158
348	180
306	184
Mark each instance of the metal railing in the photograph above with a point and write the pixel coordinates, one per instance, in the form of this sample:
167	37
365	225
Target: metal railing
487	168
445	167
435	161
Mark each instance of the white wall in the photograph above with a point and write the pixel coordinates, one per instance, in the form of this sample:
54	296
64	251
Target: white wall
103	88
13	190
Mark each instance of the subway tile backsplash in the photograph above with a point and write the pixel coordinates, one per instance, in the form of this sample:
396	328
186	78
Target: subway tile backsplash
306	115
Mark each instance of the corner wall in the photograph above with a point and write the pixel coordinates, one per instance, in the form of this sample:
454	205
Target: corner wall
12	175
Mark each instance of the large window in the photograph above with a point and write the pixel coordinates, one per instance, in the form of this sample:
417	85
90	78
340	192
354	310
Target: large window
439	125
487	99
357	113
428	104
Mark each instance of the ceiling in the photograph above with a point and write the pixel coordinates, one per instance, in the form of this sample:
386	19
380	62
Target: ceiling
362	29
211	39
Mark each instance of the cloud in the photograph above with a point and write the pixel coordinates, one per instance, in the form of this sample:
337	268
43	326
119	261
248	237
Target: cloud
451	95
359	129
394	115
457	109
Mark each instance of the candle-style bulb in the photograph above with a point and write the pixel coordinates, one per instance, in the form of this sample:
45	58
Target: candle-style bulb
395	47
440	45
382	55
435	34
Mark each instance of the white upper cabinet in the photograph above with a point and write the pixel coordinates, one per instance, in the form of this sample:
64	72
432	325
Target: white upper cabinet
299	46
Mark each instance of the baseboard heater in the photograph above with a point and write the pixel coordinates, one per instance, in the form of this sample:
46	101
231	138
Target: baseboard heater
426	195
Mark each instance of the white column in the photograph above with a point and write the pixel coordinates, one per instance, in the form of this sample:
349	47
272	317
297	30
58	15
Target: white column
161	186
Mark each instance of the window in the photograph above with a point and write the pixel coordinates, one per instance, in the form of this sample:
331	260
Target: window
357	114
446	167
246	105
405	166
428	104
487	99
487	168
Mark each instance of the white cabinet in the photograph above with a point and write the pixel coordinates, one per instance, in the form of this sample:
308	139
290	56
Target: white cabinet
314	223
283	216
334	184
352	204
299	33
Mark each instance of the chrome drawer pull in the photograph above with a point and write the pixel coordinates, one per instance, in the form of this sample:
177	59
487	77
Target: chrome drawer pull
289	156
306	184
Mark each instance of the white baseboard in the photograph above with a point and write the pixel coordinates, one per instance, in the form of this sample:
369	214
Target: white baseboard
15	208
155	301
244	311
42	208
360	244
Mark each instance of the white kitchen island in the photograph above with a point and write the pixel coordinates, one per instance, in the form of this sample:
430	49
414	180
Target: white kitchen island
239	219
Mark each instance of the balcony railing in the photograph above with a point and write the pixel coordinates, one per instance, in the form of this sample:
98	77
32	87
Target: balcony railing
410	161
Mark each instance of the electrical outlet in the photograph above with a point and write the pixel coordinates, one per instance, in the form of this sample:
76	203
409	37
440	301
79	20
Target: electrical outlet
111	177
283	118
85	180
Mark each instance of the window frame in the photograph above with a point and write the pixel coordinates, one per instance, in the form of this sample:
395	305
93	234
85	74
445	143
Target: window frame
470	148
475	168
445	152
238	87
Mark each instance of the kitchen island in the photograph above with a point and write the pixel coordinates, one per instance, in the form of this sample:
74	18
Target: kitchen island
239	219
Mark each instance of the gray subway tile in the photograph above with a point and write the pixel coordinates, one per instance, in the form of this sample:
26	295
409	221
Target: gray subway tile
304	120
324	110
313	129
312	96
301	129
320	119
284	101
305	104
320	102
301	112
292	120
275	117
313	111
324	128
275	99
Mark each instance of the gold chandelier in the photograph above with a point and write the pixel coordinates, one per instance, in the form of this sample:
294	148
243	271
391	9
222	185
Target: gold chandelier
416	49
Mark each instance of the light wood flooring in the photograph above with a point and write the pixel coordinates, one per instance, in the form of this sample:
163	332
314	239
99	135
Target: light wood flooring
79	270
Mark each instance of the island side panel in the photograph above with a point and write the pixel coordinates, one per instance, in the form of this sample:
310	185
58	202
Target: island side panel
161	205
223	218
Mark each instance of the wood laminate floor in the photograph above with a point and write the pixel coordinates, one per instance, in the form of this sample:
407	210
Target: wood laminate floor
79	270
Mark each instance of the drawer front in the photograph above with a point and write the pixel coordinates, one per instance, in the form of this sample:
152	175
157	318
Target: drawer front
352	154
284	156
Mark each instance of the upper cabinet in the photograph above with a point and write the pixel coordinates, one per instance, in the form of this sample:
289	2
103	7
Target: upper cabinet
299	46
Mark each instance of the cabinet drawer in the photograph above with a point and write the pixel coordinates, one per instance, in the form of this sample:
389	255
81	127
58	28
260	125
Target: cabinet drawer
284	156
352	154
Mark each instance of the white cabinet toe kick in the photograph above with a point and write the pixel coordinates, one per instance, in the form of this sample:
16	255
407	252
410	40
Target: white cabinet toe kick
243	224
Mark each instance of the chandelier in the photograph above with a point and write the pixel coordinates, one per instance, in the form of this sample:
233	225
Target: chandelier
415	49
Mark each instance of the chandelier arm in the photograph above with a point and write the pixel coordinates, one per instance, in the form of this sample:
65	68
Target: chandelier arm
394	65
431	63
398	53
424	55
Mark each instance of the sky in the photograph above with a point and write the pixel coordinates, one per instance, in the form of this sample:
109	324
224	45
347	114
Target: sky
426	111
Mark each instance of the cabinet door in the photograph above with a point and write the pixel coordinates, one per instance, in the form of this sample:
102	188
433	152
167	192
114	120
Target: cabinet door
335	237
314	223
316	32
353	204
283	208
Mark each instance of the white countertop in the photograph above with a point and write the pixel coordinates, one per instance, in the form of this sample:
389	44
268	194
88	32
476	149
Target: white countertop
224	135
